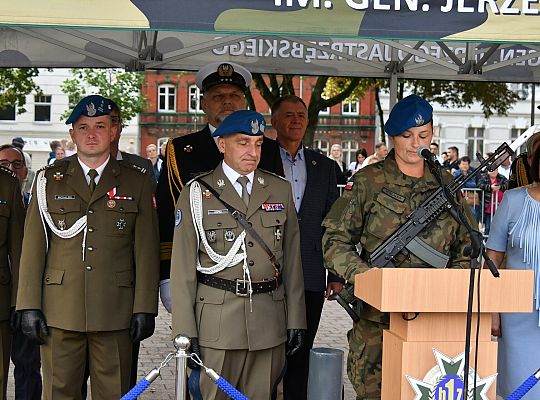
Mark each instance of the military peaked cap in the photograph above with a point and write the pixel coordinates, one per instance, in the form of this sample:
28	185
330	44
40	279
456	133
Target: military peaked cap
219	73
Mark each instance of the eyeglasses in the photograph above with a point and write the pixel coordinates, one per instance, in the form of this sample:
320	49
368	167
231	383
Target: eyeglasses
17	164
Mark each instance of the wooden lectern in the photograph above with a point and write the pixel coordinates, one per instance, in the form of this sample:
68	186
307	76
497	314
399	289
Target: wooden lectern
440	296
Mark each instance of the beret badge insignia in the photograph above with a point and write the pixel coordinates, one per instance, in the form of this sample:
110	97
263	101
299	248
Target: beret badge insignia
419	120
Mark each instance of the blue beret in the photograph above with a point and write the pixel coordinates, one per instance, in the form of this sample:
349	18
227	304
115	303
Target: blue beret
90	106
407	113
244	121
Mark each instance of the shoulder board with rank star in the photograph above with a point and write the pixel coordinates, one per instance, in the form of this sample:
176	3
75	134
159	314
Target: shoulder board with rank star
199	176
136	167
8	171
269	207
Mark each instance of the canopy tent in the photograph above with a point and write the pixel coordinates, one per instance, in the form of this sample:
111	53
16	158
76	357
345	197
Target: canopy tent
479	40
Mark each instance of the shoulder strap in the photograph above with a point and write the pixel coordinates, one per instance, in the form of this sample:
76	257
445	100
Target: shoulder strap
248	228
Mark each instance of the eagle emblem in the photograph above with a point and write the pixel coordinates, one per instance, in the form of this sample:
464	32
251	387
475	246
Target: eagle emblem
419	120
225	70
90	109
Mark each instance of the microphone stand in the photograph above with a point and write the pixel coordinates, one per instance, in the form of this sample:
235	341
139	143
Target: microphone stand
473	252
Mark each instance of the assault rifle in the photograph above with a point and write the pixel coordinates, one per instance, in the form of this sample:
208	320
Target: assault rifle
405	239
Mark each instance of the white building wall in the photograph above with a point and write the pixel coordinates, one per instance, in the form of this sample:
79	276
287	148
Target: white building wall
38	134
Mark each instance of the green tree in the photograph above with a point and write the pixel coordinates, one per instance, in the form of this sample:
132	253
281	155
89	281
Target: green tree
495	98
15	85
272	87
122	87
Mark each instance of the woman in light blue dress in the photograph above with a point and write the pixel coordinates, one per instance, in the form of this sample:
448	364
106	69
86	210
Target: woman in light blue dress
515	232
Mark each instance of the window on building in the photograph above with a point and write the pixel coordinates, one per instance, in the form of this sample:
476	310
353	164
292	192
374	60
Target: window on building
475	142
42	108
321	145
195	97
349	107
7	113
349	151
166	98
521	89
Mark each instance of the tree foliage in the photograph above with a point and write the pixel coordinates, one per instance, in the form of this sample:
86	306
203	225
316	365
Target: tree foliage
15	85
271	87
124	88
495	98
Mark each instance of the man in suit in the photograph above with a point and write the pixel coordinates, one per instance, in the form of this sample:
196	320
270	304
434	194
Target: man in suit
89	265
313	180
223	86
239	308
24	353
11	235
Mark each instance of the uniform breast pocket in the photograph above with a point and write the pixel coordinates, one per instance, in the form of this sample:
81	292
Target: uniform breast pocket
220	231
386	215
120	217
274	223
65	213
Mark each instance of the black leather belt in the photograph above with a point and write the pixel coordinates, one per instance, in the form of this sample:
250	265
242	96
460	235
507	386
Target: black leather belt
239	286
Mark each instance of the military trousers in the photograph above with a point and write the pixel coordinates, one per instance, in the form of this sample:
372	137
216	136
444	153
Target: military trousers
5	349
364	361
254	373
63	359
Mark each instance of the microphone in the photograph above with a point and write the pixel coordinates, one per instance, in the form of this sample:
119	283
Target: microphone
423	152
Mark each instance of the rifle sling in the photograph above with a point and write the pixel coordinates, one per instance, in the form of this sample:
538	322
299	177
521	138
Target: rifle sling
249	229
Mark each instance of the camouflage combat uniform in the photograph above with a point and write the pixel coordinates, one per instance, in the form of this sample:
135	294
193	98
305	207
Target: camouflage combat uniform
378	202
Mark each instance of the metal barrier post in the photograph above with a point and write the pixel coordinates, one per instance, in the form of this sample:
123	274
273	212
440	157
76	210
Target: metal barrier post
181	343
325	380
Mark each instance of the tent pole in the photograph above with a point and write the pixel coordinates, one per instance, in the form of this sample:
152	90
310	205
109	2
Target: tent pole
393	101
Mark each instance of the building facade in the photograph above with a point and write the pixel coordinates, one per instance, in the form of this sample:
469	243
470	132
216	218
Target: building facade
42	121
174	110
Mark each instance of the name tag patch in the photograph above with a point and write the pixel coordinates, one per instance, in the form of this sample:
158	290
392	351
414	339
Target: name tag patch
269	207
3	202
64	197
218	212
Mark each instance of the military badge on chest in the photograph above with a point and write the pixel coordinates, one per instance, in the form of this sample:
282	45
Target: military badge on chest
229	235
121	224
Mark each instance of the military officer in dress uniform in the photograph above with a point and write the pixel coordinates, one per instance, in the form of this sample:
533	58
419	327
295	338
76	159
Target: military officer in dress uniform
373	205
89	266
223	86
11	236
239	307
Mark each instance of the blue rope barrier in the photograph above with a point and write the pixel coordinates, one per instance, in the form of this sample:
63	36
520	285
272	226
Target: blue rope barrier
525	386
137	390
229	389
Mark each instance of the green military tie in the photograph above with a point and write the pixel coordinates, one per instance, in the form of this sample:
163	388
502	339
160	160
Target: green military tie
243	181
92	174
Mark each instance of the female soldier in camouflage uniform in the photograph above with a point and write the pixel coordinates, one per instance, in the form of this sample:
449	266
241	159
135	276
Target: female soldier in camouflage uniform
374	204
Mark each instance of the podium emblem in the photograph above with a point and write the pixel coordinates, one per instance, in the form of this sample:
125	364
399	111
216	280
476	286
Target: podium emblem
445	381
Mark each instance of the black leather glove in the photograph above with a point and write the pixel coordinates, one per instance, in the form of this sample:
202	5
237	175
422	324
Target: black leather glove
33	325
142	326
295	340
194	348
14	319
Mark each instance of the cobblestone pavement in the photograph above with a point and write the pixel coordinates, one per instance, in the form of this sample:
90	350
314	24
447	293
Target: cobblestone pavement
332	333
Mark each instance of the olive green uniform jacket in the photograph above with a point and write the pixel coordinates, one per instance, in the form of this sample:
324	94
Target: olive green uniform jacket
220	319
379	201
119	274
11	235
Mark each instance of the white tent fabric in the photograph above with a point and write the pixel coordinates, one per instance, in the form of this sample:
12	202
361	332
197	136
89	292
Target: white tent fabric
484	40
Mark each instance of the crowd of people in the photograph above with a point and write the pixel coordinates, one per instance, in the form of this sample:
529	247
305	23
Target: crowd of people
242	237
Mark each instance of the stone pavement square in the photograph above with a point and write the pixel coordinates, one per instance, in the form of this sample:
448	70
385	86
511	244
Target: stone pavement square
332	333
